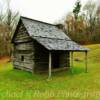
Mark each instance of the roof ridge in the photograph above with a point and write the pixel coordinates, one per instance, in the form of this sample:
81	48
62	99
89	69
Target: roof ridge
38	21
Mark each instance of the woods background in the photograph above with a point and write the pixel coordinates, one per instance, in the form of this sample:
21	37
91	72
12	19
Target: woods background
82	24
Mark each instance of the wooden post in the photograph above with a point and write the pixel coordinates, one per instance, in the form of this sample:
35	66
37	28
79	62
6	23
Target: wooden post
49	64
86	61
72	62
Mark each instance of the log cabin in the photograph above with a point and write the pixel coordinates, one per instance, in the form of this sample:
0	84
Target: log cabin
39	46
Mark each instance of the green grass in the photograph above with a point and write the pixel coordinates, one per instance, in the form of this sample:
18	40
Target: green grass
21	85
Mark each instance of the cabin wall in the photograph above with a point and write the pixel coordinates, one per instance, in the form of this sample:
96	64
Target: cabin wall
64	59
60	59
23	53
23	60
41	58
21	34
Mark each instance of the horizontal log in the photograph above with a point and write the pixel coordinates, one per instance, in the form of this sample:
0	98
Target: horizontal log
26	69
23	62
24	47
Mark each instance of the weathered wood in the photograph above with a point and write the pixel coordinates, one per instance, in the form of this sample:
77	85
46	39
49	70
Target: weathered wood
24	46
72	60
22	35
64	59
50	64
86	70
24	68
40	57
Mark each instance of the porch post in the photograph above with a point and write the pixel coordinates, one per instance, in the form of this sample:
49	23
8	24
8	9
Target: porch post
72	62
49	64
86	61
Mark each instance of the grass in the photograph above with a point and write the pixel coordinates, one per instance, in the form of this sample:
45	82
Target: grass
21	85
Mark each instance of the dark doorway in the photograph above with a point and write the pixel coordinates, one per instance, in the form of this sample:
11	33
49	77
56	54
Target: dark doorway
55	60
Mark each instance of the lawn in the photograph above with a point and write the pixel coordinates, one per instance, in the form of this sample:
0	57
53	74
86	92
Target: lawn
20	85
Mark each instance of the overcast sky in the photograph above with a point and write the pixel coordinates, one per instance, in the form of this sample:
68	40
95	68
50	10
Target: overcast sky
44	10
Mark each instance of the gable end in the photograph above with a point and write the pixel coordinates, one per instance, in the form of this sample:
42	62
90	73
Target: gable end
21	35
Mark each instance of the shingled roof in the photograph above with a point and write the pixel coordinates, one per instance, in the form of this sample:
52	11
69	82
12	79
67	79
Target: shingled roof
41	29
50	36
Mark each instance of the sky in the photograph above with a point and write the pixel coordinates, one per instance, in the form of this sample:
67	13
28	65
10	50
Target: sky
44	10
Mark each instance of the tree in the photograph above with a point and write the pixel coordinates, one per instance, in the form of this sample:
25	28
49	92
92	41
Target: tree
9	22
10	16
90	11
77	9
84	26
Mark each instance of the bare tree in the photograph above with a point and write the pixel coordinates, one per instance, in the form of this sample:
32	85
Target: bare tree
90	10
9	22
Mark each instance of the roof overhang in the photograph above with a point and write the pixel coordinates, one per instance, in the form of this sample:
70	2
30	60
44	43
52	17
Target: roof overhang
60	44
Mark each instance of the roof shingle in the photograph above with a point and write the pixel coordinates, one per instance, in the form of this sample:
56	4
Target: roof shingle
50	36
